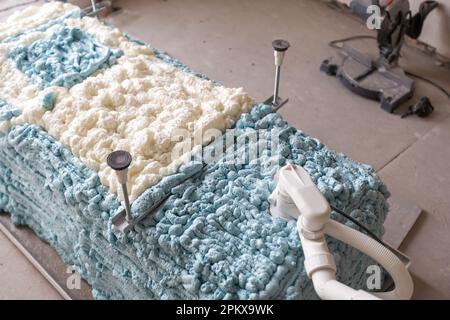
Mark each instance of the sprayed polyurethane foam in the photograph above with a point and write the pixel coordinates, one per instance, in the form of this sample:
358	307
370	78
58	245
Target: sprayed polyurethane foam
214	237
96	91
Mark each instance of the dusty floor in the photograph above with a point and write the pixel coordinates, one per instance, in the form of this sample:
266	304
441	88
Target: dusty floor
230	41
18	278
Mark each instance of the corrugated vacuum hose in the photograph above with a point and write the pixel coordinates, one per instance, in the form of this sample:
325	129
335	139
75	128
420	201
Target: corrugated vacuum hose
297	197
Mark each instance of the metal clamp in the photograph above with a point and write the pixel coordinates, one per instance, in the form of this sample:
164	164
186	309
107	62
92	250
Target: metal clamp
94	9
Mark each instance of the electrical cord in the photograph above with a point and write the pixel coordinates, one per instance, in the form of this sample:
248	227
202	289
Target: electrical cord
359	224
402	257
359	37
437	86
334	43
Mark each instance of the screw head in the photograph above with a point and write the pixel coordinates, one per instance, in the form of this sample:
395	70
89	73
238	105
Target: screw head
119	160
280	45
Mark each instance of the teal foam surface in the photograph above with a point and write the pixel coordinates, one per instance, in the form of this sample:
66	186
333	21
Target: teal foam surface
7	112
66	58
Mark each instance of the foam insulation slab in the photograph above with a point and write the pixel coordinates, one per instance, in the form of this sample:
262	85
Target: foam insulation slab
74	89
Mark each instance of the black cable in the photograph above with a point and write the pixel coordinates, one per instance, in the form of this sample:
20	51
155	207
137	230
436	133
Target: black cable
431	82
359	224
402	257
437	86
359	37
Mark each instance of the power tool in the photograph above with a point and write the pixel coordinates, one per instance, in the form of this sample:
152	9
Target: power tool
380	77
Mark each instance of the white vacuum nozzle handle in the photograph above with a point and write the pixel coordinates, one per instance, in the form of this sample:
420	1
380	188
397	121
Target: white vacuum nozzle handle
295	182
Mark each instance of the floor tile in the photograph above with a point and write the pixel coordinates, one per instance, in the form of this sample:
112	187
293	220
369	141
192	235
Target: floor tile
18	277
422	174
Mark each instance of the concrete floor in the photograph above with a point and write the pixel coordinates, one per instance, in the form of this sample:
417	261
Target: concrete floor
230	41
18	278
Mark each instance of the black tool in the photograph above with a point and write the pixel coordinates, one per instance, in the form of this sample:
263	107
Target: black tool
423	109
380	77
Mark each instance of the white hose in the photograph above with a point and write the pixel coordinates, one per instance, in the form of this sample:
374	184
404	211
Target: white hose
296	196
403	282
328	288
321	268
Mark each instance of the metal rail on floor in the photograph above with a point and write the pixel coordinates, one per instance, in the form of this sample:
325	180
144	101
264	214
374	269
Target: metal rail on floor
34	262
